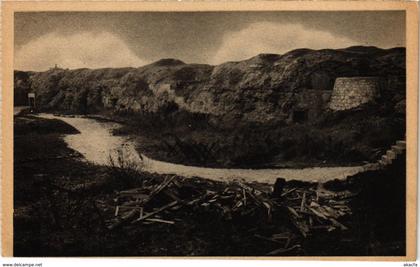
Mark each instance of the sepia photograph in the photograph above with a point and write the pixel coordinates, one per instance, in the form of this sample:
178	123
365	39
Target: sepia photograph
241	133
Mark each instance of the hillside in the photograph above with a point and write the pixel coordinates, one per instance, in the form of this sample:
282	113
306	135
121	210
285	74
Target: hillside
254	89
269	108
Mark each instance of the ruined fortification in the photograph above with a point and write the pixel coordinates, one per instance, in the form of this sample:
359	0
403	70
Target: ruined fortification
351	92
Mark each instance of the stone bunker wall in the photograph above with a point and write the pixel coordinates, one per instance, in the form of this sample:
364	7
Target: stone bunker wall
351	92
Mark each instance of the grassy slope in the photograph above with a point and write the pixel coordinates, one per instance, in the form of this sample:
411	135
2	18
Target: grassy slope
344	138
41	212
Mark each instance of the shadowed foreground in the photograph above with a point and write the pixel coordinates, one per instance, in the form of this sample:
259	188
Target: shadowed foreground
67	207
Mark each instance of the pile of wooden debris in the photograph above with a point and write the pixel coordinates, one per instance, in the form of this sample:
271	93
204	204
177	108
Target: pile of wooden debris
307	209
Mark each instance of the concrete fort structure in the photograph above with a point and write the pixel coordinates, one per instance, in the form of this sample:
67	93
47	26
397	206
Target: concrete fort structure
351	92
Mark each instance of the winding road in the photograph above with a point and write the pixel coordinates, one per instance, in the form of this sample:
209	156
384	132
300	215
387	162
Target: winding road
97	144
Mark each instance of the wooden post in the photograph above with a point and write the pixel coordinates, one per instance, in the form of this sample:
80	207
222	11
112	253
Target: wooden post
31	96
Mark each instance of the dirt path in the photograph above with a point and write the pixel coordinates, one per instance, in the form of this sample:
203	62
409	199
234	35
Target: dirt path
96	143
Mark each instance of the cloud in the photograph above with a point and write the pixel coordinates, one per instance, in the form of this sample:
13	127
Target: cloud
269	37
81	50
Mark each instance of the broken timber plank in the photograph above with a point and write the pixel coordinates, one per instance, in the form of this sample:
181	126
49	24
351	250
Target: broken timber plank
302	204
156	211
282	250
131	215
293	211
158	189
288	192
269	239
337	224
160	221
318	213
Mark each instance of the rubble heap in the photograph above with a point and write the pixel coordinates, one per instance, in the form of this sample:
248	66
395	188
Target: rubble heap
292	212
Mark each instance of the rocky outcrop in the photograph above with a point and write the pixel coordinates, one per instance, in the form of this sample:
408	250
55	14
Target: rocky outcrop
264	88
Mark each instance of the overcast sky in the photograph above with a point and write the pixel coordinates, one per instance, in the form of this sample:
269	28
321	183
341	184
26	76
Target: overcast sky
96	39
